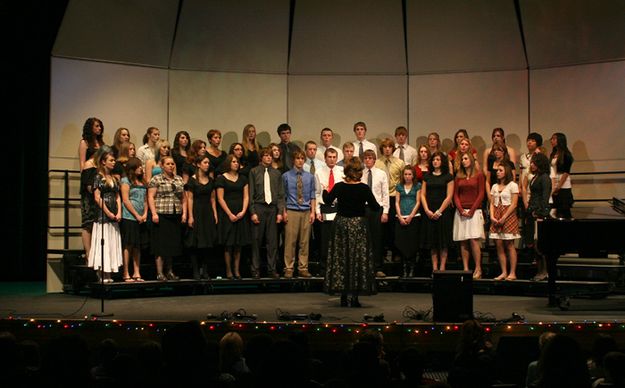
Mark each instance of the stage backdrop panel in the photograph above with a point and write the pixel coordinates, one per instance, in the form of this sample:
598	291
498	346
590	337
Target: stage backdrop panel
348	37
586	103
477	102
200	101
338	102
120	95
130	31
565	32
459	36
235	35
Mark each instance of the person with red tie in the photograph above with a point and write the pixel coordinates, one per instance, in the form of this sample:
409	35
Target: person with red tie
325	179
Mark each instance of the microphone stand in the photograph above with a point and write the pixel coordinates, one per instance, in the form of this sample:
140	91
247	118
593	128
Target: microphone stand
102	314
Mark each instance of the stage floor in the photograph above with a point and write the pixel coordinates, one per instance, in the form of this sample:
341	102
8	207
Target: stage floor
28	303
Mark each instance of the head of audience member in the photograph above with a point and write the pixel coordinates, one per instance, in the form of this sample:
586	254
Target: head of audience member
407	175
386	147
185	351
401	135
284	132
539	164
66	362
92	131
360	130
424	154
411	364
439	162
237	150
459	135
330	156
614	366
369	158
265	156
122	135
214	138
602	345
299	158
152	135
534	141
311	149
326	137
182	141
230	351
256	350
352	169
348	150
162	149
562	364
434	142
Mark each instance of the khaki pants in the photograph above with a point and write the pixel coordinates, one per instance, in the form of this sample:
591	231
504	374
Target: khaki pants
297	230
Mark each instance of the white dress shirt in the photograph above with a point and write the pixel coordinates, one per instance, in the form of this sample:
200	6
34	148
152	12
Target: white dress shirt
380	186
145	153
318	164
321	153
366	145
322	180
411	156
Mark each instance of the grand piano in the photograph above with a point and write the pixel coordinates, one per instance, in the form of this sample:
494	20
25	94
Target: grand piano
592	232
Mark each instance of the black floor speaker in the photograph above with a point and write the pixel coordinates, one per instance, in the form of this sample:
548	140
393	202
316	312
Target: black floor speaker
452	296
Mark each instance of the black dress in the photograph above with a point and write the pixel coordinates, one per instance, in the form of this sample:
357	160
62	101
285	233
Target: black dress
350	267
217	161
88	207
232	234
437	234
204	232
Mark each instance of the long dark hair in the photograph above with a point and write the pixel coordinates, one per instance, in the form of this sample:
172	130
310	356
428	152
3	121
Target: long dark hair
131	167
444	162
561	150
87	132
177	141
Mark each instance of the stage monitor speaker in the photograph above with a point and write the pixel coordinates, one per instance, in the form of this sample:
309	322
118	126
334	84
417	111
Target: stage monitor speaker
452	296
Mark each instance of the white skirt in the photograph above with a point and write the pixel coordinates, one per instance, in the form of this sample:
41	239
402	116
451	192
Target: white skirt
113	258
466	228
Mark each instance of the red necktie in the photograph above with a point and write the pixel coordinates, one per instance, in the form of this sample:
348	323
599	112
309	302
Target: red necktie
331	180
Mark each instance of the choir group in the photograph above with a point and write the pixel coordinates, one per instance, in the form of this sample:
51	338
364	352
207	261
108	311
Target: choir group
363	203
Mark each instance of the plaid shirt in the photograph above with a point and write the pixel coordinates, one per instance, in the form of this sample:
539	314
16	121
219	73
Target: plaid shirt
168	198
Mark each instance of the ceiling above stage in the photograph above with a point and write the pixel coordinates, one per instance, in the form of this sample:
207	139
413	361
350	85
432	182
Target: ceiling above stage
344	36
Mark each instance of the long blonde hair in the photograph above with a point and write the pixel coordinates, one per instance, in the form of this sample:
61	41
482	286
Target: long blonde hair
245	142
464	172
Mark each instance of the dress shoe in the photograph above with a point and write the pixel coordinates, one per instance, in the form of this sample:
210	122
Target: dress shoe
171	276
255	275
343	300
304	274
275	275
380	274
161	277
354	302
288	273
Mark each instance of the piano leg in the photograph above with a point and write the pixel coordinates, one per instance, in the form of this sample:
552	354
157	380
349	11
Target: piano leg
552	269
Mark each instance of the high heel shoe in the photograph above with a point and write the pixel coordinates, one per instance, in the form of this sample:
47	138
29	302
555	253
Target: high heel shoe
343	300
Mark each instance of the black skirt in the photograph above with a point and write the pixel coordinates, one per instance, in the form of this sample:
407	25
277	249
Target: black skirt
134	234
167	236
